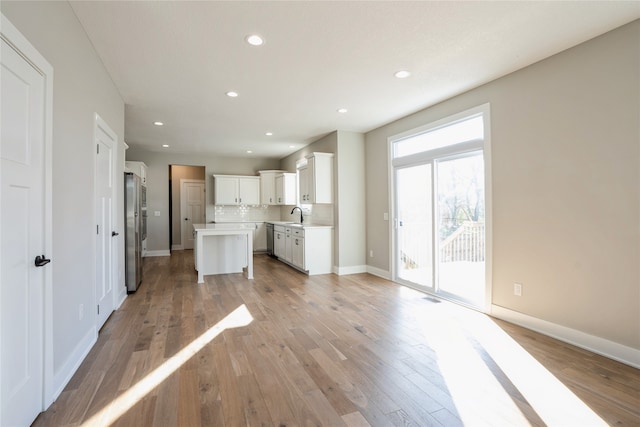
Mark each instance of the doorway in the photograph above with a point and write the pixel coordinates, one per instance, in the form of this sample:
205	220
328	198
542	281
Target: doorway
192	209
105	181
439	178
26	334
192	178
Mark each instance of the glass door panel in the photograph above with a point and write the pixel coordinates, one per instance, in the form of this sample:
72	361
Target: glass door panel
414	254
461	228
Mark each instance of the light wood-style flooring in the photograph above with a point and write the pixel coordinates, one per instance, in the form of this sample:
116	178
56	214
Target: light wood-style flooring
290	350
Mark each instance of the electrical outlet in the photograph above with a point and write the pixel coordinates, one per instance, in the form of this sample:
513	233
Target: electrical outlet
371	253
385	216
517	289
80	311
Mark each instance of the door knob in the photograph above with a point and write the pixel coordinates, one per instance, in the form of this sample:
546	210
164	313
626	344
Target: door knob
186	219
113	234
41	261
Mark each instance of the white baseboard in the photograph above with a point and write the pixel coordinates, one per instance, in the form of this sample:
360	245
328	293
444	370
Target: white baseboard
379	272
120	298
66	371
177	248
354	269
158	253
627	355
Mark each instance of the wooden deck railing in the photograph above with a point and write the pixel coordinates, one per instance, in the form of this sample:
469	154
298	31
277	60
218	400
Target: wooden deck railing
465	244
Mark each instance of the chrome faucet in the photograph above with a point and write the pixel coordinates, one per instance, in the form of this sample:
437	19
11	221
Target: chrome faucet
298	207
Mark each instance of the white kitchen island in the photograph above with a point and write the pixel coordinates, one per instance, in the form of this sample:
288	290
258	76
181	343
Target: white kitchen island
223	249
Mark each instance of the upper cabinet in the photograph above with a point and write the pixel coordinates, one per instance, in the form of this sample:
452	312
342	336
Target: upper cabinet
236	190
286	189
277	187
138	168
268	186
316	179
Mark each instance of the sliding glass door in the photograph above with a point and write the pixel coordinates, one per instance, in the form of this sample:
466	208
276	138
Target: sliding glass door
439	210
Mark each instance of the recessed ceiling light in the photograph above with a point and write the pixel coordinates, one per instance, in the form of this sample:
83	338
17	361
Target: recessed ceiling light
269	133
158	123
249	151
232	94
292	146
255	40
165	145
402	74
342	110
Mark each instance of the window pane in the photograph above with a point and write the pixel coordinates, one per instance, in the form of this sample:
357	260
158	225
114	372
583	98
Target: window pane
415	224
461	236
465	130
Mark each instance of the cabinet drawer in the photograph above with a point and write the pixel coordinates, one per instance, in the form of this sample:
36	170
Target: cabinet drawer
298	232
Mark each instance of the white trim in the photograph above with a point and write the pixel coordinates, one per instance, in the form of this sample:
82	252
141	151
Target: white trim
73	362
121	299
379	272
177	247
14	37
163	252
627	355
354	269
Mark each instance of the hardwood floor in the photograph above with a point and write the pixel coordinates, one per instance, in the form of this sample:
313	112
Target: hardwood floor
290	350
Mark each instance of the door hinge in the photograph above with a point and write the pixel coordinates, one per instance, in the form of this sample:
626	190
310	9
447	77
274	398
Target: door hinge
97	229
97	148
98	309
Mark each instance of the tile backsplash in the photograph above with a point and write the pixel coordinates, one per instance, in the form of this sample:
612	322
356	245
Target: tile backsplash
313	214
242	213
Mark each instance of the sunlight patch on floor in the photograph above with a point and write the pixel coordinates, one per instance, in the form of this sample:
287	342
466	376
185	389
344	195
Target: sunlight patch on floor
554	402
483	368
119	406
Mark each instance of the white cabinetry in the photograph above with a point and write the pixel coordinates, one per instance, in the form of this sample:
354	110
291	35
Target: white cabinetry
309	249
279	245
297	251
316	179
138	168
285	184
277	187
268	186
236	190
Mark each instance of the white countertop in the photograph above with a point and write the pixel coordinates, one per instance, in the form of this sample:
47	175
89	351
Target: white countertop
229	226
298	225
238	221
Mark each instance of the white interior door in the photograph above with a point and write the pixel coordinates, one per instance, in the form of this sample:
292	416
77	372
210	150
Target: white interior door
23	237
192	208
105	140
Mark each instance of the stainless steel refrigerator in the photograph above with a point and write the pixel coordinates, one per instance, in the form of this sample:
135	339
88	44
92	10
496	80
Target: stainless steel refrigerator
133	230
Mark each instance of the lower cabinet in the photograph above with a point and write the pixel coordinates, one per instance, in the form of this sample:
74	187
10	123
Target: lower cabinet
297	253
307	249
279	241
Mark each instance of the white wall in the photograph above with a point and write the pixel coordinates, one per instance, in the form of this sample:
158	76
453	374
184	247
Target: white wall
158	238
566	186
81	88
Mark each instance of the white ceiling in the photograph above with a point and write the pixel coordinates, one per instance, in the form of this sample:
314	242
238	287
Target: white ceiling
174	62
